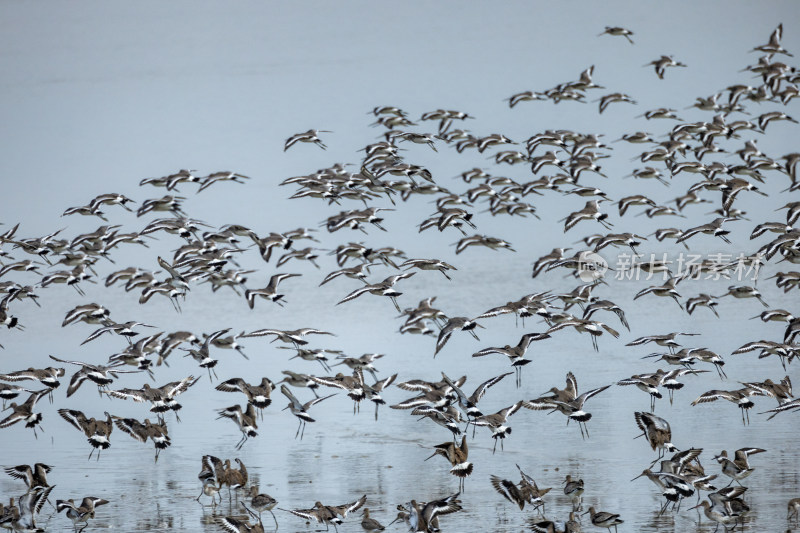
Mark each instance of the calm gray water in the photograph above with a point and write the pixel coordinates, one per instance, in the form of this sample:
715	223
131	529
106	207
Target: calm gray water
195	86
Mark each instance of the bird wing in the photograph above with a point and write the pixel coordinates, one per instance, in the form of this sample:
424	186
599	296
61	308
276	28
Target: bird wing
572	385
228	523
20	472
307	405
177	387
132	427
487	351
540	404
714	395
232	385
504	487
586	395
263	333
481	389
350	507
295	402
77	380
125	394
382	384
496	311
76	418
356	293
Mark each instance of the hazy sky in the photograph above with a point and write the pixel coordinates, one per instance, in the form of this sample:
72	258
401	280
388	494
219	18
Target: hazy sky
98	95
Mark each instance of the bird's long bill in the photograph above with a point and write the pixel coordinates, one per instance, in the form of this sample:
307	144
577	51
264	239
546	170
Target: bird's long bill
432	455
637	477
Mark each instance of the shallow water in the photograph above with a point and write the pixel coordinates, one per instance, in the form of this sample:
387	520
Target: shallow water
214	104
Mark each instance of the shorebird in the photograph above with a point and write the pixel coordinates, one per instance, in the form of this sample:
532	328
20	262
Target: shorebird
781	391
457	456
593	328
373	392
774	44
526	491
660	65
665	290
234	478
384	288
547	260
573	489
101	375
666	340
257	395
717	511
223	175
9	392
212	476
22	517
739	468
590	212
712	228
618	31
793	508
262	502
352	385
142	431
359	272
125	330
97	431
619	239
229	342
328	514
429	264
516	354
424	517
672	486
90	313
604	519
82	512
525	96
270	292
46	376
24	412
605	305
245	419
482	240
497	422
648	383
742	291
608	99
203	354
162	399
456	323
740	397
301	410
34	477
309	136
702	300
657	432
369	524
469	404
296	337
572	408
